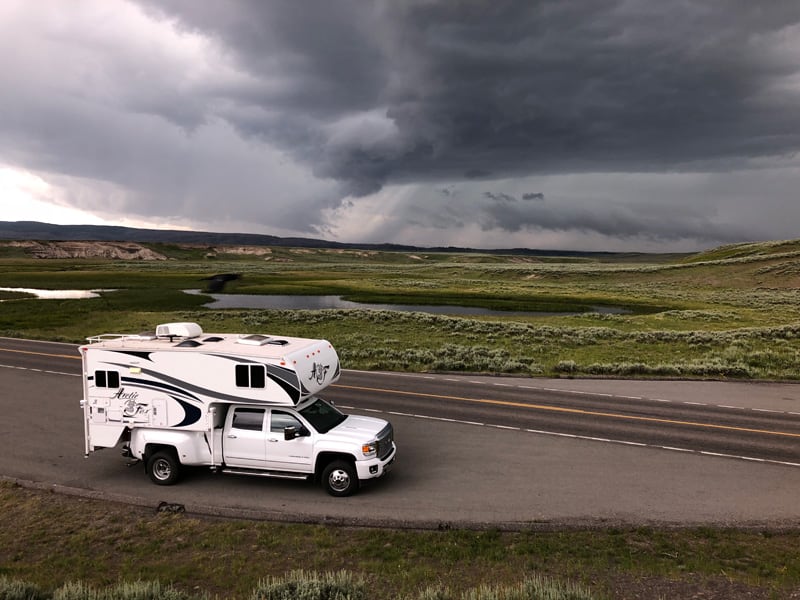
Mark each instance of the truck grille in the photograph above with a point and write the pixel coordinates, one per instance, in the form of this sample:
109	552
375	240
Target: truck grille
385	438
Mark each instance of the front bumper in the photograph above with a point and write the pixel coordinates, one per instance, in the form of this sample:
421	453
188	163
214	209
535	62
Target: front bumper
376	467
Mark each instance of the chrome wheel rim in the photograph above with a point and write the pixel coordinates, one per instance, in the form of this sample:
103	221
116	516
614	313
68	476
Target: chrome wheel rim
161	469
339	480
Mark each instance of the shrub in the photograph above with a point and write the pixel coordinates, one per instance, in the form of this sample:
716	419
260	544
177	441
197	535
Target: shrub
305	585
566	366
15	589
137	590
533	588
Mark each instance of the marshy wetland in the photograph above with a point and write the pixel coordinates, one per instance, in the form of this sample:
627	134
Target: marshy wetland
732	312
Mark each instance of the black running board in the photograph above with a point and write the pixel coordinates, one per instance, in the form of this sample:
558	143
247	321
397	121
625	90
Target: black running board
273	474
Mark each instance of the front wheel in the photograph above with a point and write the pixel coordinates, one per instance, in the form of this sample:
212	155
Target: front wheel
340	478
163	467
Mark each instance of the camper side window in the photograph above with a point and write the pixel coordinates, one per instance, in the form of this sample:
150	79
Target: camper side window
251	376
106	379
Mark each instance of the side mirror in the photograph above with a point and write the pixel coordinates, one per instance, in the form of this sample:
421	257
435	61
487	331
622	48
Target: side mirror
291	432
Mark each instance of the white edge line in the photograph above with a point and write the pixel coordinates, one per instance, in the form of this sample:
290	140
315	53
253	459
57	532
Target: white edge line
40	370
551	389
603	440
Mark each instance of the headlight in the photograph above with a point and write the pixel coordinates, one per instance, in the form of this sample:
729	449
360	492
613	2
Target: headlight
370	449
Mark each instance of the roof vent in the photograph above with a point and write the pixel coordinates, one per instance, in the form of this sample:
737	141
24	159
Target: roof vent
255	339
188	344
184	330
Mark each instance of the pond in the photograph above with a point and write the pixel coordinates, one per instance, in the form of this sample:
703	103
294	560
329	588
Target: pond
56	294
298	302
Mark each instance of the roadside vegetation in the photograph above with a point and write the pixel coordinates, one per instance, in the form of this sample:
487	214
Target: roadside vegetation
732	312
69	548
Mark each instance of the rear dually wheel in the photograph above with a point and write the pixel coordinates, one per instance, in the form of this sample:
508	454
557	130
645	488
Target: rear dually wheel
163	467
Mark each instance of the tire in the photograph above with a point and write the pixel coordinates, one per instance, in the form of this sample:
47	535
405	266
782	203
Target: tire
163	467
340	478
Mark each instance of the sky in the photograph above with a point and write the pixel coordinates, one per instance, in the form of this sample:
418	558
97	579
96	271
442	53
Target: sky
606	125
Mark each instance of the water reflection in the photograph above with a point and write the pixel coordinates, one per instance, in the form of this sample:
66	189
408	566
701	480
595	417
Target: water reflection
288	302
56	294
296	302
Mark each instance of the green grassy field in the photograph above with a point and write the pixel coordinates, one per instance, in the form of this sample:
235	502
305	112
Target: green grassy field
732	312
57	539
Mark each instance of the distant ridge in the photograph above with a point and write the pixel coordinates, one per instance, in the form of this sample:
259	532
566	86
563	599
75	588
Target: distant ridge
34	230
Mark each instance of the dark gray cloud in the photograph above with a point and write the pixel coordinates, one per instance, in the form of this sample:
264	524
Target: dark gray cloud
372	120
500	197
513	88
614	219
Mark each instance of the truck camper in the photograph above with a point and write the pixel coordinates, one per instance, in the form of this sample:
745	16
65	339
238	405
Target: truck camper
236	403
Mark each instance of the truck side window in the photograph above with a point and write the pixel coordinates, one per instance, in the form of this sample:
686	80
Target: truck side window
106	379
281	420
250	419
252	376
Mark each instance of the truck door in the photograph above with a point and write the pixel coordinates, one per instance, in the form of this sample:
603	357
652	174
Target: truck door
245	444
288	455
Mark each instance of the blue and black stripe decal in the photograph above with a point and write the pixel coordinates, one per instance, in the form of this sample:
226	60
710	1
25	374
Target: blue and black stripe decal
286	379
162	387
142	355
191	413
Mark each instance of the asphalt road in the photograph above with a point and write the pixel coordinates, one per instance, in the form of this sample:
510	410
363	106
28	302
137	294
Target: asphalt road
473	451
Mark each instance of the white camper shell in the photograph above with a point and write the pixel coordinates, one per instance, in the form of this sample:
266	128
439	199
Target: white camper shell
174	394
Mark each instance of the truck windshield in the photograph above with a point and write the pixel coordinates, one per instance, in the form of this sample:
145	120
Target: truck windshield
322	416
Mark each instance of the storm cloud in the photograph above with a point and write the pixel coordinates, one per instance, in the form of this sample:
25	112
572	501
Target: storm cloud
386	121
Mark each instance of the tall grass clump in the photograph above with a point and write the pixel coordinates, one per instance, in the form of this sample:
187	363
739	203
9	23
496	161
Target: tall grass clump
533	588
16	589
310	585
136	590
300	585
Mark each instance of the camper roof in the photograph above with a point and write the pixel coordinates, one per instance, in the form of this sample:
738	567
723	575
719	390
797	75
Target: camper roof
188	337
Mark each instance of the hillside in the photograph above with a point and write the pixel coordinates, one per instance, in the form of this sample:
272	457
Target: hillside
748	250
33	230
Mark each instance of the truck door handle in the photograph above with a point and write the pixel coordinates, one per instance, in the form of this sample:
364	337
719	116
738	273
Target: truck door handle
272	440
231	436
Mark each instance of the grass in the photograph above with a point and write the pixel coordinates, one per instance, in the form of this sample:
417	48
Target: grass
732	312
297	585
58	539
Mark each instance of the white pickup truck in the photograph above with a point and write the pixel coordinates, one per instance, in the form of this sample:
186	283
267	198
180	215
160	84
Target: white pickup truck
242	404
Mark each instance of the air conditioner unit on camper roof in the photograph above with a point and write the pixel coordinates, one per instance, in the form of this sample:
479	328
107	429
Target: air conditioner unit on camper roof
184	330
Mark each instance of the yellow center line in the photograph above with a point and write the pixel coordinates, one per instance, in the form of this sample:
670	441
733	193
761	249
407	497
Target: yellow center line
544	407
40	353
580	411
